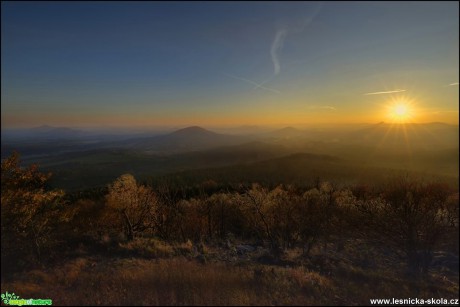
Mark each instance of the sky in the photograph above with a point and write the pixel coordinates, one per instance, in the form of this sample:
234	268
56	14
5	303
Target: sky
136	64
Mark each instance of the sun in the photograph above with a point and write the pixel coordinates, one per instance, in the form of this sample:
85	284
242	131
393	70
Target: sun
400	111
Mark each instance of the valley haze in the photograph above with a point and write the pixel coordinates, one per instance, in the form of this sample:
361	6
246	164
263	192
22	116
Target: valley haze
430	149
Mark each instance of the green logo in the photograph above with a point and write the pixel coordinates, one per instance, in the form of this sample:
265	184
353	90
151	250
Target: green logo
15	300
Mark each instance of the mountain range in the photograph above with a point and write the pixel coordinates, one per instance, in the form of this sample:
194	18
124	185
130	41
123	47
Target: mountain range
51	140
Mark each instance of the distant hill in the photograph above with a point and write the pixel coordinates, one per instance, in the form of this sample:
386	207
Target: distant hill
302	169
235	154
44	132
63	133
287	132
427	135
42	129
187	139
299	168
193	132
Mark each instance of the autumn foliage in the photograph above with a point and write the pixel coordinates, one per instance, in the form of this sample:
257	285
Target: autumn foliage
30	212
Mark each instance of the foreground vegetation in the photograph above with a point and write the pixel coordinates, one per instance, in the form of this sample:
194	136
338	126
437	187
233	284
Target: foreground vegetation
177	280
245	245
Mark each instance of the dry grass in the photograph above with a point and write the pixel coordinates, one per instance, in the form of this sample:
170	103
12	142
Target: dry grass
147	248
175	280
185	248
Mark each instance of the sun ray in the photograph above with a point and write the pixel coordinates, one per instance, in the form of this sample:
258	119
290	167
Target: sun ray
400	109
400	112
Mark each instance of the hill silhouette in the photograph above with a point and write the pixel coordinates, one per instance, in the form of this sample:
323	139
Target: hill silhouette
187	139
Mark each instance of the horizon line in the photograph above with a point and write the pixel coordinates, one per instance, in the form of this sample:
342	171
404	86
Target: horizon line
182	126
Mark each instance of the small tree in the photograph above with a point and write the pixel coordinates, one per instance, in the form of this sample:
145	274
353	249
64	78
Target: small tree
135	204
284	216
412	217
169	216
316	213
30	212
257	202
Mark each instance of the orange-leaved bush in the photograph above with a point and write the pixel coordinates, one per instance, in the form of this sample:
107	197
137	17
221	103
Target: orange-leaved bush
30	211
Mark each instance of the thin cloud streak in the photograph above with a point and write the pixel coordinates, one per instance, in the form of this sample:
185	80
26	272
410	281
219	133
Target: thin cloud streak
257	85
281	34
308	20
323	107
448	111
275	48
386	92
455	83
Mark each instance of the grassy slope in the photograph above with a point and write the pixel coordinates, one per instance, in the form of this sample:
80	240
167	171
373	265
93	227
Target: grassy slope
149	272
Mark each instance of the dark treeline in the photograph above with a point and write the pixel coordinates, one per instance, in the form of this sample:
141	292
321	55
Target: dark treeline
407	217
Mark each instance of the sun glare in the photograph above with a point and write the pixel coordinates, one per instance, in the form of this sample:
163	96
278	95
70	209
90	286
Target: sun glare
400	111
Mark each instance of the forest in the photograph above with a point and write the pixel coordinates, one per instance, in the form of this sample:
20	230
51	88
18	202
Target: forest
207	242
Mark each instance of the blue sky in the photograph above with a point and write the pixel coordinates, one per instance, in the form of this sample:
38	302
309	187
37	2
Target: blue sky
228	63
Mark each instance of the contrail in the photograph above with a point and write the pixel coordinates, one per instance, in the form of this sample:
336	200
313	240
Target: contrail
257	85
455	83
448	111
309	19
276	46
387	92
323	107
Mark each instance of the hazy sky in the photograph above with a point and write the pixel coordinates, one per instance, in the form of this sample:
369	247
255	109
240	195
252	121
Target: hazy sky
229	63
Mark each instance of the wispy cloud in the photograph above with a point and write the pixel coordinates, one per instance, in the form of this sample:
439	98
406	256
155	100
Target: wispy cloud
277	44
257	85
445	111
323	107
455	83
282	32
386	92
